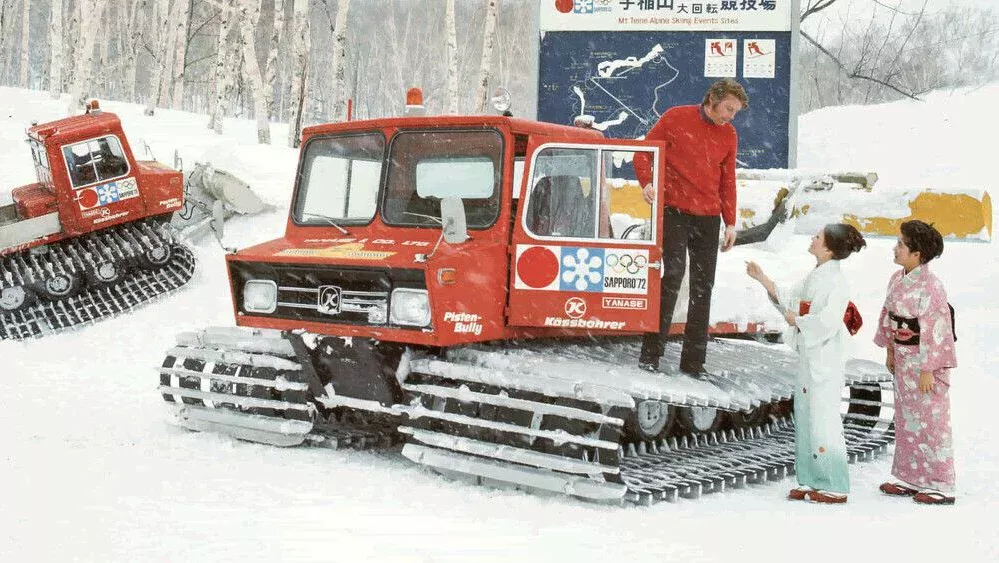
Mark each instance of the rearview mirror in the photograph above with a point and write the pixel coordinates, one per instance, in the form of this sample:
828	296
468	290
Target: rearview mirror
453	219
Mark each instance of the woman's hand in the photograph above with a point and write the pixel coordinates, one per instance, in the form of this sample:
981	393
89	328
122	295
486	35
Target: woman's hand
926	382
754	270
791	318
890	360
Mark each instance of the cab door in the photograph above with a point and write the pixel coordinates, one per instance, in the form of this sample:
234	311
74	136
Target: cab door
586	246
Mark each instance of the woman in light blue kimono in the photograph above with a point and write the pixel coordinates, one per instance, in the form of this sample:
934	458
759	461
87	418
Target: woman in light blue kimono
815	310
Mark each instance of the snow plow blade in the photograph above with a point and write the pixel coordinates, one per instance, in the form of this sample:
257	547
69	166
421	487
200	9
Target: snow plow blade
80	281
851	197
203	186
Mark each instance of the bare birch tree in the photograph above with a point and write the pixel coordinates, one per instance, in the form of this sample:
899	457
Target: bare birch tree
135	20
488	38
270	68
159	40
223	69
25	53
90	12
300	59
249	15
339	57
55	49
182	19
452	59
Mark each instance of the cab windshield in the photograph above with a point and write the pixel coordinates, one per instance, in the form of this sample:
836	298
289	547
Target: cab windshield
339	179
428	166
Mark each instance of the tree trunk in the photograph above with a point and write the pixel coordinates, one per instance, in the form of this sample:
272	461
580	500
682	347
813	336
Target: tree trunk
488	38
168	38
25	52
222	73
339	56
91	12
135	19
452	59
300	59
270	72
248	17
182	21
55	49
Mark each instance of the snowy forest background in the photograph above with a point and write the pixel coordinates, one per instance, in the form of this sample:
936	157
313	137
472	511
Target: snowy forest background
248	58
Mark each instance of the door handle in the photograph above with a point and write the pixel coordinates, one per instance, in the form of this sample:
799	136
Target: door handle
655	265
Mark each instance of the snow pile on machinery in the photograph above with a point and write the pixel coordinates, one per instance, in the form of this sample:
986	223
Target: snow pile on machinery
470	287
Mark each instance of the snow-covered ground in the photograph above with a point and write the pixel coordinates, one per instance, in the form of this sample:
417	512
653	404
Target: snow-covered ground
91	470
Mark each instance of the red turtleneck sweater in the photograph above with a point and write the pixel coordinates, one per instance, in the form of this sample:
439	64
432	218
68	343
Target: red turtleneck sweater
699	163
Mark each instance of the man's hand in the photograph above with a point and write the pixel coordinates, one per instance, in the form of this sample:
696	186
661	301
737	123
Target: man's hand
754	270
729	241
649	194
926	382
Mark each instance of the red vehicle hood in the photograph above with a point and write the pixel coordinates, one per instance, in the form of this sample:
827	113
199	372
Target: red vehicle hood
383	253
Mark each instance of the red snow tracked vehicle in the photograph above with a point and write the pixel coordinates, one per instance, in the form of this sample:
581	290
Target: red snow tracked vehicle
90	238
466	285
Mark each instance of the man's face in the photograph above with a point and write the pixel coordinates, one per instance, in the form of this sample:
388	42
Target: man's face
723	111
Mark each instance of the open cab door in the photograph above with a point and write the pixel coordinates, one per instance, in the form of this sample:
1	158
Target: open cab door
586	244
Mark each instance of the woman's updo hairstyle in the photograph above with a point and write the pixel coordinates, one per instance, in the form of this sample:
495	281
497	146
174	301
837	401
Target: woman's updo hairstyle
922	238
843	240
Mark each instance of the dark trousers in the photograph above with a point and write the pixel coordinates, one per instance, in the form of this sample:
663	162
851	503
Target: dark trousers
698	236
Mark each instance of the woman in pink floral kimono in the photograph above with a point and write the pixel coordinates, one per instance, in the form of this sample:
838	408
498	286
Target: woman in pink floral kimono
916	327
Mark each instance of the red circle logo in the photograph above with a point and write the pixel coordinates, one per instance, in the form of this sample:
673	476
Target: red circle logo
564	6
537	267
88	199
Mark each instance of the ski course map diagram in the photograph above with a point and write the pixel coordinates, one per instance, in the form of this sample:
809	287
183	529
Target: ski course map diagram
627	80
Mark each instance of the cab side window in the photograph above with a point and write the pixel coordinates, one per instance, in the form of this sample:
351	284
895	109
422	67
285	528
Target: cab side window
96	160
585	193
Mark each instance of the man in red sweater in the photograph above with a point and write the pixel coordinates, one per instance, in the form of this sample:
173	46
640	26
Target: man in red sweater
699	162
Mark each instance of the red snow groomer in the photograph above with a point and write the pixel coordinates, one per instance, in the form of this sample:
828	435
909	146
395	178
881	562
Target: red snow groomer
90	238
467	286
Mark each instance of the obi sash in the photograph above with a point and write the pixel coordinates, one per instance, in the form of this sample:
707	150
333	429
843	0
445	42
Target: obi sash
852	318
905	330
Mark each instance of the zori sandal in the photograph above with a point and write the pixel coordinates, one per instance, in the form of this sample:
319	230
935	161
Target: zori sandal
799	493
897	490
932	497
825	497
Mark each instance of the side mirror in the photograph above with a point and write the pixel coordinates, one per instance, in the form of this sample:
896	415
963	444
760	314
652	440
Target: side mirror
453	219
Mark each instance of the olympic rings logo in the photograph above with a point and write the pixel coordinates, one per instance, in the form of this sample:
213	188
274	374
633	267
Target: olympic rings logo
622	263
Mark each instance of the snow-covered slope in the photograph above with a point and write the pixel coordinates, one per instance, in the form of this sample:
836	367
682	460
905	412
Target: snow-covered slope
92	471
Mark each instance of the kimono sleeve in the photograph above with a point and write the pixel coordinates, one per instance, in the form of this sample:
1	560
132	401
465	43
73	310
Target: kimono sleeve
883	336
788	296
936	338
825	318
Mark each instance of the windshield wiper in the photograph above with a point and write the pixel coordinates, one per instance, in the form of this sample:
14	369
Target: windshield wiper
327	219
437	220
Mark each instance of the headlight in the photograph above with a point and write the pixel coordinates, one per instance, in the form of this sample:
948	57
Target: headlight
410	307
260	296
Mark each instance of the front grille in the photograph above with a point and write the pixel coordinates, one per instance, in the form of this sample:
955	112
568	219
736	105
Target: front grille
326	294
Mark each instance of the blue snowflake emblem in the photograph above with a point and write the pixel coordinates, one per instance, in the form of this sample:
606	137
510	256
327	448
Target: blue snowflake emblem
582	7
582	269
107	193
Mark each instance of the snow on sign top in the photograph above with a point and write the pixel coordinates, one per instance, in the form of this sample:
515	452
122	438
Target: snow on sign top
666	15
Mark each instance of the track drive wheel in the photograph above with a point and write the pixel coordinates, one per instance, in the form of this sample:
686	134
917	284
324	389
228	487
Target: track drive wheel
16	298
156	258
651	420
701	419
105	273
59	286
751	418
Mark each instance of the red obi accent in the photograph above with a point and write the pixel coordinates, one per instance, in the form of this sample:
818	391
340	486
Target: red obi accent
852	318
